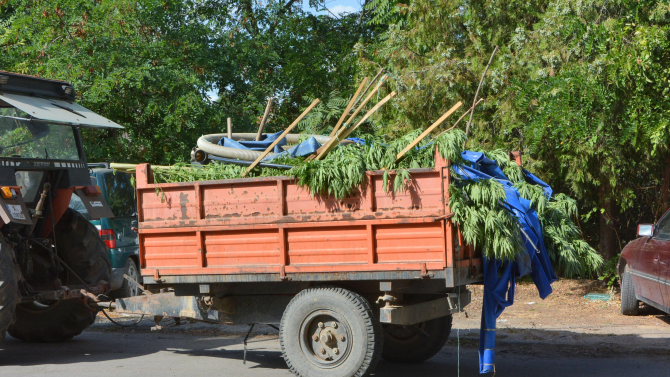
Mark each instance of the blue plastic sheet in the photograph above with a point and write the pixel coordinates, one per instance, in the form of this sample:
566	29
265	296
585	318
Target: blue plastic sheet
500	276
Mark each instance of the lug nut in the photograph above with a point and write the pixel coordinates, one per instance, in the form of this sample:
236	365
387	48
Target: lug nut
334	325
323	351
315	337
341	338
336	351
321	324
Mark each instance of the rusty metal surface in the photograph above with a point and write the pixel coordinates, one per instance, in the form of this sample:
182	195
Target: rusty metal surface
168	305
446	276
270	229
424	311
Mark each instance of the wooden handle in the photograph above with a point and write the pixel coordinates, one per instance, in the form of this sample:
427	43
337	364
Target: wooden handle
365	101
427	131
265	118
349	106
346	131
230	128
295	123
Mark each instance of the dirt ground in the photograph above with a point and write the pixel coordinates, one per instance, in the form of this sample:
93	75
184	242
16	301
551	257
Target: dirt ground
567	324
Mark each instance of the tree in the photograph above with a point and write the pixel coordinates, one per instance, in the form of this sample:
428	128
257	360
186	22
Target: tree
580	87
152	65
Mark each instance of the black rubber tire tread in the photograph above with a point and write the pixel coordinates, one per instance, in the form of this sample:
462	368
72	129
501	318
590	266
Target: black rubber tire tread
125	291
9	288
80	246
629	303
351	304
421	349
61	321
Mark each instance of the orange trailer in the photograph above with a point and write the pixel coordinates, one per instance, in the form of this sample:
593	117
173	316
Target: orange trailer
349	281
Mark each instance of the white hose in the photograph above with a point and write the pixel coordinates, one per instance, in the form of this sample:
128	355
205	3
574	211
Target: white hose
209	144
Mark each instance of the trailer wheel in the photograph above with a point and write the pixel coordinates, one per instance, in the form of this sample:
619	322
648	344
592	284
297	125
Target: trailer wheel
9	290
330	332
417	343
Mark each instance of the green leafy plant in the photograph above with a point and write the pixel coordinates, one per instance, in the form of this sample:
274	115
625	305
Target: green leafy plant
610	274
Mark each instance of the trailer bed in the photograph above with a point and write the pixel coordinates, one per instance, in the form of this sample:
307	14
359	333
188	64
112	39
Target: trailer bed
271	229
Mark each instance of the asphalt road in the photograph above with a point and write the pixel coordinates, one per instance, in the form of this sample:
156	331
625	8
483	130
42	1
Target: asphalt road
200	351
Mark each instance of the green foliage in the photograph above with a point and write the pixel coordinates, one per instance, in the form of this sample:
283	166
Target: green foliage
152	65
484	223
570	254
337	175
610	274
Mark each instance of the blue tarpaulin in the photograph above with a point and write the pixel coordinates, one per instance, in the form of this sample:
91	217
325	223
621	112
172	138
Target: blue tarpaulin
500	276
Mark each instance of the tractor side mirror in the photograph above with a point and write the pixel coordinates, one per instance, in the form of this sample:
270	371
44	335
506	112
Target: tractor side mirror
645	230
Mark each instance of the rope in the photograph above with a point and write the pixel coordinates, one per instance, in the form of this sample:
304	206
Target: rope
458	335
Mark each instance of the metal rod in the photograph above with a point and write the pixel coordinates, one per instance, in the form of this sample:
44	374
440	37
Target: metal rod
474	101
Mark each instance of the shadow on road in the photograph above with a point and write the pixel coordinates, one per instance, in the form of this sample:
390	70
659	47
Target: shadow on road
519	352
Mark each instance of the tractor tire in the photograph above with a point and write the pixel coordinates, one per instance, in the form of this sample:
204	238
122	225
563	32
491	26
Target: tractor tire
9	289
417	343
57	322
330	332
629	303
80	246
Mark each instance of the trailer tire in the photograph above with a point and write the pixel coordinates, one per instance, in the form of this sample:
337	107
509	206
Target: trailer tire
9	290
408	344
80	246
629	303
349	338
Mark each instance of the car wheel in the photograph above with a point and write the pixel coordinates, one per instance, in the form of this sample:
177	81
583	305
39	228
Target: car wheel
9	291
629	303
129	289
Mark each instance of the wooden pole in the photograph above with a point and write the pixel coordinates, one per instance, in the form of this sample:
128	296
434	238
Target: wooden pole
348	109
265	118
474	101
365	101
370	84
346	131
282	136
460	119
230	128
428	130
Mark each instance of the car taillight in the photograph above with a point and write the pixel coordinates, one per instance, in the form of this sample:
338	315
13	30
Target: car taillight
109	237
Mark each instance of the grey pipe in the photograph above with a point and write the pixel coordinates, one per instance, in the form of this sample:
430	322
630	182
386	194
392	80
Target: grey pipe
208	143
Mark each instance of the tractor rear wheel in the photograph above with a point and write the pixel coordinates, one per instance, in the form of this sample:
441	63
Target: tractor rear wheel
9	290
80	246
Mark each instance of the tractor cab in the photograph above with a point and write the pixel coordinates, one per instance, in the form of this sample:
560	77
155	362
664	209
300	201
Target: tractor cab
51	256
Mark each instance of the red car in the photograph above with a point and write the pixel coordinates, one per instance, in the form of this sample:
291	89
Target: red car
644	268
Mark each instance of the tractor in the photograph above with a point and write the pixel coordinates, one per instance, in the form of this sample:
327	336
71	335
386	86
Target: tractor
53	262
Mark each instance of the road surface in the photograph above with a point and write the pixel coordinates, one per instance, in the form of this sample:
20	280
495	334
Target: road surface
203	350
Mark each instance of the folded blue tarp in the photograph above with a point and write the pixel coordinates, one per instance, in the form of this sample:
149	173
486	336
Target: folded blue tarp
500	276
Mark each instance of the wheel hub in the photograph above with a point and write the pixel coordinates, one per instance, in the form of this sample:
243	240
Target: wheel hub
326	338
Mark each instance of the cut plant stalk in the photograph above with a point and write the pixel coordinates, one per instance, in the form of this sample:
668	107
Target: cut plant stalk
428	130
461	118
348	109
265	118
271	147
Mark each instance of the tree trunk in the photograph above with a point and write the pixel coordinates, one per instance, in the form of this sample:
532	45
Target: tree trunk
608	244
